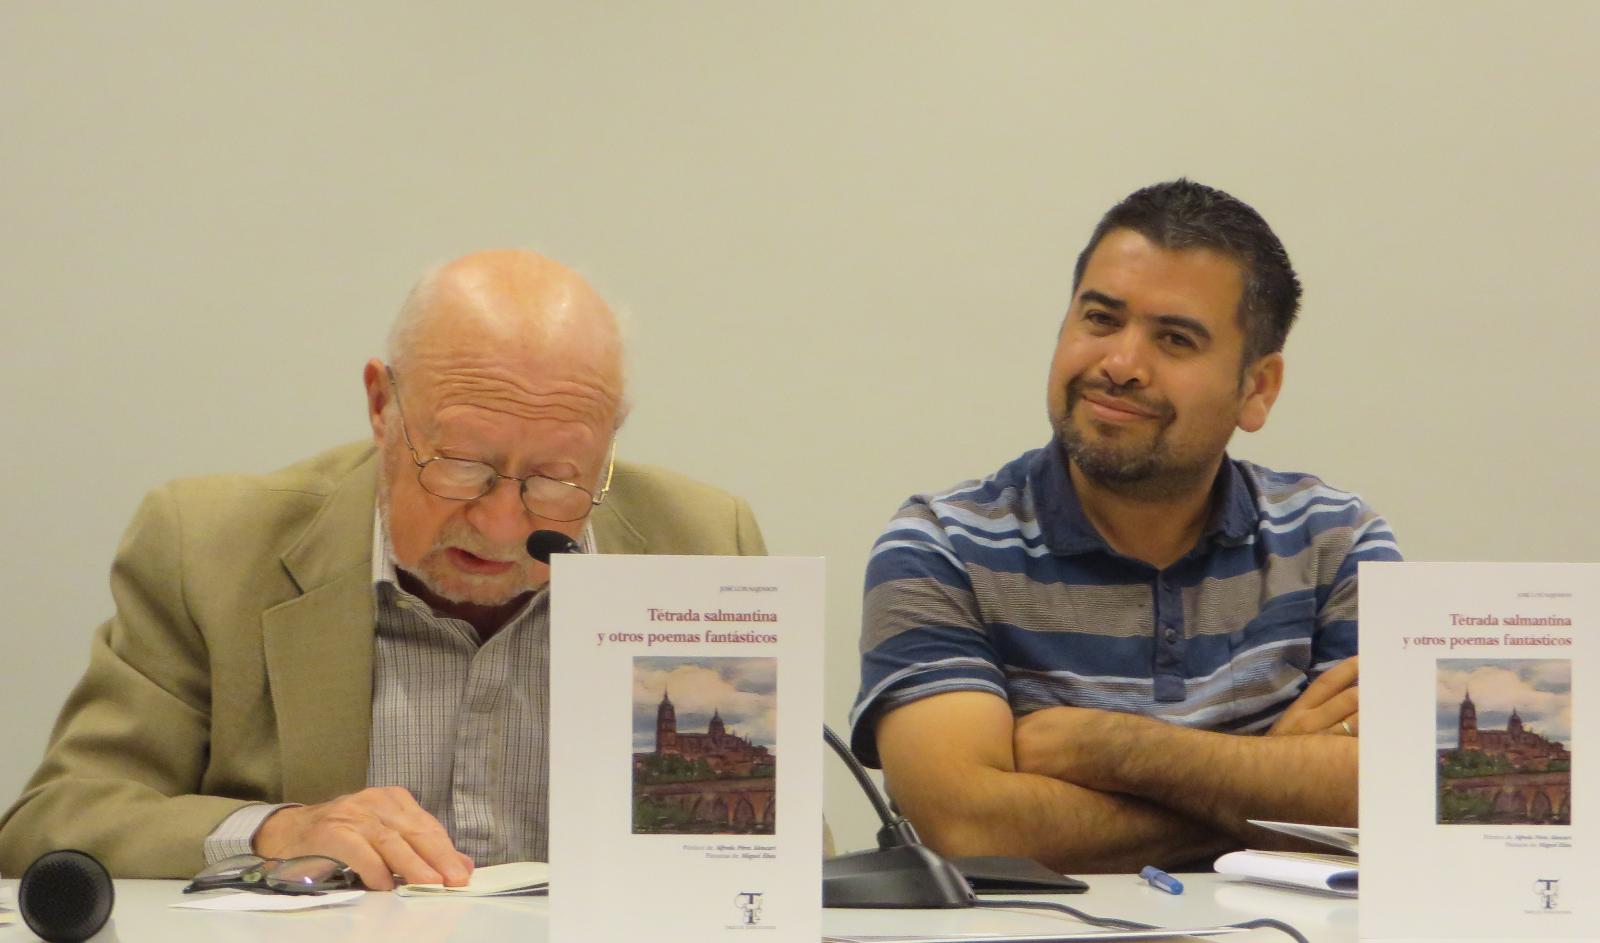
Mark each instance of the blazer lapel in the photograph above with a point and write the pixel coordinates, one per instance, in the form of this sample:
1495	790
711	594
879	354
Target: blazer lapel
613	533
319	647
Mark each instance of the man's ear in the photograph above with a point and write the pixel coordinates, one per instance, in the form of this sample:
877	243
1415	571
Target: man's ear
1262	381
376	379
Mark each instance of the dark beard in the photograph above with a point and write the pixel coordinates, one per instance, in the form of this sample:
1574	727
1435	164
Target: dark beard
1149	474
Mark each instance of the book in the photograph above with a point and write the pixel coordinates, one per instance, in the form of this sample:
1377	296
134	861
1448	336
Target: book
497	880
686	745
1479	683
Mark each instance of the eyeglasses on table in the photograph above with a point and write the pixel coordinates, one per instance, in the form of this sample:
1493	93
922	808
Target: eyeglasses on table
307	874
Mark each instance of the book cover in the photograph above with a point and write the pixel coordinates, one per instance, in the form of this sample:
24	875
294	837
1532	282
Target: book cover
686	748
1478	700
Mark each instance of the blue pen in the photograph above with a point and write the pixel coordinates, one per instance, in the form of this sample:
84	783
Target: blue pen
1161	879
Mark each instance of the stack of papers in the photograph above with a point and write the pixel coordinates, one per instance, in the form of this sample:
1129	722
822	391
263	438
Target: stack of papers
499	880
1339	874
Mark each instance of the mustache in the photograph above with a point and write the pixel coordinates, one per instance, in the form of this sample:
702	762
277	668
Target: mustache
461	536
1077	386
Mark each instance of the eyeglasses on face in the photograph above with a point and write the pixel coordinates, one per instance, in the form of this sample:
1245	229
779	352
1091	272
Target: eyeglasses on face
307	874
460	479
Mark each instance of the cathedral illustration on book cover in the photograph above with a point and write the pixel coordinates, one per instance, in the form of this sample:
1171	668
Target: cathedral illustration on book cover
1503	744
704	746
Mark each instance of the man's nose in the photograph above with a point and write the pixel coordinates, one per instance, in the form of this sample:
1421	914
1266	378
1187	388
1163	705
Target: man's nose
499	515
1127	361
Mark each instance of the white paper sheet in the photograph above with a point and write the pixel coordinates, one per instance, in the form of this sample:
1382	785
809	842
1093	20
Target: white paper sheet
686	746
1490	842
245	901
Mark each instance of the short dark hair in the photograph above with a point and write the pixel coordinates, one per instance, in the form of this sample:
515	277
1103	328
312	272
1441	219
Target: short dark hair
1182	214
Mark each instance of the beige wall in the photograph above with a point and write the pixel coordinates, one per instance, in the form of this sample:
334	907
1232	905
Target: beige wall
844	231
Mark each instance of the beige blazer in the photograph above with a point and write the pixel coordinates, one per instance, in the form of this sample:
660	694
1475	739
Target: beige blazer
238	666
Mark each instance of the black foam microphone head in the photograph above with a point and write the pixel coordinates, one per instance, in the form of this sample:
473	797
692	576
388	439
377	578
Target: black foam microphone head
543	543
65	896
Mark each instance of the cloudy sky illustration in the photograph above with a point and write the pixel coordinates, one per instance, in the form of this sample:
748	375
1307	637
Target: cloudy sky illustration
745	690
1540	691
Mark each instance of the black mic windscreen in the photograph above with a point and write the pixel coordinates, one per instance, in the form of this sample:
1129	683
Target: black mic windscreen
65	896
543	543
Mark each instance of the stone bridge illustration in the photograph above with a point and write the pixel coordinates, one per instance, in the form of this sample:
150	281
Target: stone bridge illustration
722	805
1534	798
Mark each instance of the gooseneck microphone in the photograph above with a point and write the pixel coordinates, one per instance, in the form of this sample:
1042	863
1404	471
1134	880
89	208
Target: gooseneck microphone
543	543
901	871
65	896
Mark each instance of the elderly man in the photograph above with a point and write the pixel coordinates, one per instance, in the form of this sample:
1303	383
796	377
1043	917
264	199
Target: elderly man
349	657
1072	658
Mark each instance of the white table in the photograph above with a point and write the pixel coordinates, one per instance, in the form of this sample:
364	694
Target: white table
142	914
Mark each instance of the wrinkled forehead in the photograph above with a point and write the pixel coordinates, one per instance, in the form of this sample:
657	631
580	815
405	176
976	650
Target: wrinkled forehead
569	390
488	360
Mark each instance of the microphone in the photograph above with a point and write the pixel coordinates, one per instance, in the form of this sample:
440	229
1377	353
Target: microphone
903	872
65	896
543	543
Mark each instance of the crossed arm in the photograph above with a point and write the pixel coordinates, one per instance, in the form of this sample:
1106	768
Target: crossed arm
1089	790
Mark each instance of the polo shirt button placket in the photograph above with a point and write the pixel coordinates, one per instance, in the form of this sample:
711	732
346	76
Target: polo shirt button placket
1169	684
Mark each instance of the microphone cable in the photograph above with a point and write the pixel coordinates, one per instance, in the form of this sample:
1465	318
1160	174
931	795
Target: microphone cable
1116	923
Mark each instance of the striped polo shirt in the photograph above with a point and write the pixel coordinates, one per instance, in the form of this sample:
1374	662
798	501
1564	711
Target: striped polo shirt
1003	585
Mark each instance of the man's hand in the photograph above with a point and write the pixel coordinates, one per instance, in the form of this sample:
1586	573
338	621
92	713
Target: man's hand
379	832
1067	743
1330	704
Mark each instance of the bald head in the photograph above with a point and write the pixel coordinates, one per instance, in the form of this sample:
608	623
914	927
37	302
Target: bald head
509	311
508	360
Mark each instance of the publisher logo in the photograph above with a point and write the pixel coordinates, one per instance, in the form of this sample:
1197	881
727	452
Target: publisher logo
749	904
1548	891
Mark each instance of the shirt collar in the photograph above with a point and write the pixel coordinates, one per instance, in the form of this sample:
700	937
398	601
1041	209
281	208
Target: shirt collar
1067	530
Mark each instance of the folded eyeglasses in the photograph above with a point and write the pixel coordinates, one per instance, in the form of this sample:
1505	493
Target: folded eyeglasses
307	874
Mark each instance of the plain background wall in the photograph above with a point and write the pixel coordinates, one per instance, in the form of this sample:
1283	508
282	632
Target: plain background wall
844	233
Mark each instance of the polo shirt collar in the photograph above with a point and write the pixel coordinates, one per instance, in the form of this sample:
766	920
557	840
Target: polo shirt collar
1067	530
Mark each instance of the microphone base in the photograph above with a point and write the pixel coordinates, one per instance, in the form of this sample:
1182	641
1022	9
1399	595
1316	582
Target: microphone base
907	877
